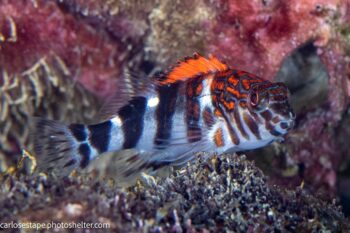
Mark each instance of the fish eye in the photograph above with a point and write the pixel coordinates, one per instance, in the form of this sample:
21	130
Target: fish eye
254	99
258	100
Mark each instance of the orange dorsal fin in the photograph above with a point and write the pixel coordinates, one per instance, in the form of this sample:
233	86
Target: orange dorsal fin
192	67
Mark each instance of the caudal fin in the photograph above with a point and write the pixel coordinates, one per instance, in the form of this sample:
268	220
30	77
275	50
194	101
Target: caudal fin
55	147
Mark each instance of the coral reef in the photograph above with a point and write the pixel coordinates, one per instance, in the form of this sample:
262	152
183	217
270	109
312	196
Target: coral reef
226	193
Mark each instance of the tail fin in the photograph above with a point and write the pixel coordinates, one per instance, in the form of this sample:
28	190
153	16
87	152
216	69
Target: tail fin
56	148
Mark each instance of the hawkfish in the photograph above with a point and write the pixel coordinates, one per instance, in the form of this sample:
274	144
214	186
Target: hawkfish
199	104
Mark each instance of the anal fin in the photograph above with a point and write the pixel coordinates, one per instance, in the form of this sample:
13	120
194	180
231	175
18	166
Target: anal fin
125	166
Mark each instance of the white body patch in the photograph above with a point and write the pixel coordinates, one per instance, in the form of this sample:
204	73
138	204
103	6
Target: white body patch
152	102
205	97
117	137
146	141
117	121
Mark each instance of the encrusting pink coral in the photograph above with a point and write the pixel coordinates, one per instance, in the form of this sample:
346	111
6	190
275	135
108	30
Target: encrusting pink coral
257	35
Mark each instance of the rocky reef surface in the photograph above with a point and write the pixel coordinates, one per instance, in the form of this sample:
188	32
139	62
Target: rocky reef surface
224	194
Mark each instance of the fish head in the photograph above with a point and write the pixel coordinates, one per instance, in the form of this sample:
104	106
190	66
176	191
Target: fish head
256	111
271	103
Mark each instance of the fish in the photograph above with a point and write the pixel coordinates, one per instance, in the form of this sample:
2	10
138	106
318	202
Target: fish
199	104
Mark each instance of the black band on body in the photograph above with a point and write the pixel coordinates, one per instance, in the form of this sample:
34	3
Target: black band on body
165	111
78	131
132	116
193	109
84	151
100	135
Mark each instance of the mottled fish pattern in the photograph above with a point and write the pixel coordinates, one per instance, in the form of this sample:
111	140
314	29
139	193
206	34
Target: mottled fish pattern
200	104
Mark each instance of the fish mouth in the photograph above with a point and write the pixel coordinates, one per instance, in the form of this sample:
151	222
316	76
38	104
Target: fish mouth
289	123
284	126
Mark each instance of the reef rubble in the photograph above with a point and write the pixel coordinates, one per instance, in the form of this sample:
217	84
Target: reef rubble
223	194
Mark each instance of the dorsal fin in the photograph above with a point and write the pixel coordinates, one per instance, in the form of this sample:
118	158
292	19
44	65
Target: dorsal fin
191	67
131	85
137	84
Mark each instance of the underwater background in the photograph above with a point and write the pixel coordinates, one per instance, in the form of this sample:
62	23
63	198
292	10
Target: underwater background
62	59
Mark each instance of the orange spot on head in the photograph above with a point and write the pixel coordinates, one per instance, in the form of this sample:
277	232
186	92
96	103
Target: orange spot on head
229	105
233	80
217	85
218	138
246	84
234	92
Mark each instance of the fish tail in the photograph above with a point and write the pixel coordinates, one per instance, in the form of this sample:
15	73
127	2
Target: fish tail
61	148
